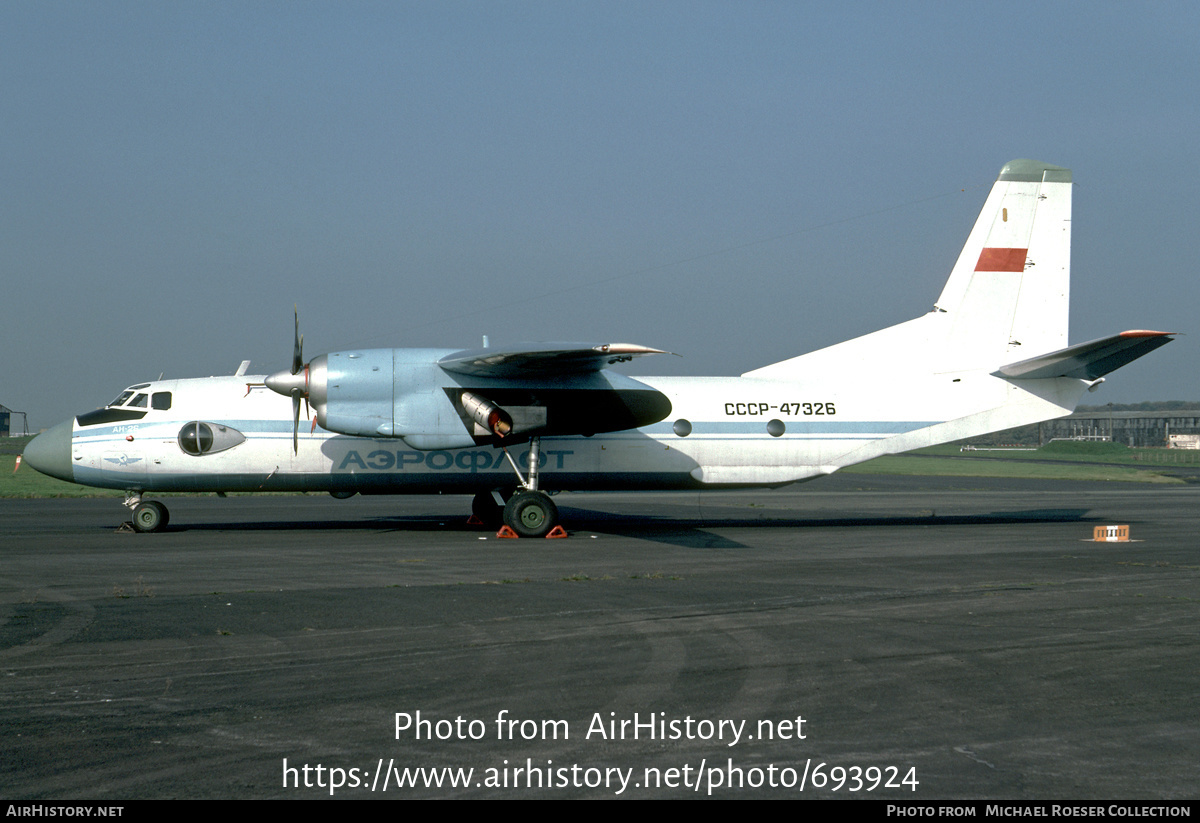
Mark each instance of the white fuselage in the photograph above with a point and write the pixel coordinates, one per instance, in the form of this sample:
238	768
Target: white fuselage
722	431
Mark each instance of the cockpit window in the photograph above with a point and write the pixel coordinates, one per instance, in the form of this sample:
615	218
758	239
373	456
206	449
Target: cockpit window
132	398
123	397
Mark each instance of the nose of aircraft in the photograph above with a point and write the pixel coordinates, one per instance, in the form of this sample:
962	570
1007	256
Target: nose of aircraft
50	452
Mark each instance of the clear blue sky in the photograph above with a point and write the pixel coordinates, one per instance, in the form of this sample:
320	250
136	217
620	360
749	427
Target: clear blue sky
736	182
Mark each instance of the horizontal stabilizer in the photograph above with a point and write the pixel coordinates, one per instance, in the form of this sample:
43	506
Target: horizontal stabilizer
530	359
1091	360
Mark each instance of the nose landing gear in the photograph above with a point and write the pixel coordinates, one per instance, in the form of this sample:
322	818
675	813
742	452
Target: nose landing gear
148	515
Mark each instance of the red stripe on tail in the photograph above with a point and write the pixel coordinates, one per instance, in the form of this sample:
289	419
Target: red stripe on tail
1002	260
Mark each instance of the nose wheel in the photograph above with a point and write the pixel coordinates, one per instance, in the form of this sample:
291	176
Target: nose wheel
150	516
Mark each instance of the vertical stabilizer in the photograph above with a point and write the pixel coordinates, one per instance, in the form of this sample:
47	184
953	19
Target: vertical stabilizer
1008	294
1006	299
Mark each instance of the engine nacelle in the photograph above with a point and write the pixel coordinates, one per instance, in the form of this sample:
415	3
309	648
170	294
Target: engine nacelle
405	393
353	392
380	393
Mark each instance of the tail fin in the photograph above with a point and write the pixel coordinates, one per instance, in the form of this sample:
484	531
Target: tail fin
1008	295
1006	299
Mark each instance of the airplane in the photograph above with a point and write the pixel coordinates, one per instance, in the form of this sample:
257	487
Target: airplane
510	425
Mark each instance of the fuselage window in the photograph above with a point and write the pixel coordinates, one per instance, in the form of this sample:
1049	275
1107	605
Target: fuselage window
160	400
196	438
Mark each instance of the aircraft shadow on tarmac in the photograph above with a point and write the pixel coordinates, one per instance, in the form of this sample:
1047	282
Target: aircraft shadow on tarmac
693	532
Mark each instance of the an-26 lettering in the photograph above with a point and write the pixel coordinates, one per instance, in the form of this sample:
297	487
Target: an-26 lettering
796	409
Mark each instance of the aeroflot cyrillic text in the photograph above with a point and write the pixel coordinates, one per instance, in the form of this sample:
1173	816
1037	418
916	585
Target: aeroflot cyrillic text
472	460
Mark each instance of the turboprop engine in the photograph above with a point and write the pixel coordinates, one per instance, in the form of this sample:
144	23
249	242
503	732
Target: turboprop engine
451	399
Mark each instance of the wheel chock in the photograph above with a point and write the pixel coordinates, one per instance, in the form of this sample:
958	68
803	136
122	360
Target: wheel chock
474	521
555	533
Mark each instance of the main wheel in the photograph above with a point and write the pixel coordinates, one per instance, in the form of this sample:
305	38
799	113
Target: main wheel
489	512
150	516
531	514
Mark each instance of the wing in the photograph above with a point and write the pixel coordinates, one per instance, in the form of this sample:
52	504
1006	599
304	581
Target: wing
541	359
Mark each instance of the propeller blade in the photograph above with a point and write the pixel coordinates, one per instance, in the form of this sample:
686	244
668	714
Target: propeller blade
295	421
298	345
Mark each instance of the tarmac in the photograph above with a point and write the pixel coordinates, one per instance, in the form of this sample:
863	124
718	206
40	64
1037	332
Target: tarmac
898	639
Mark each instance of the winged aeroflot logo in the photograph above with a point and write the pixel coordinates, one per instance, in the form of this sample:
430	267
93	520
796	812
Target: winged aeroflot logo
123	460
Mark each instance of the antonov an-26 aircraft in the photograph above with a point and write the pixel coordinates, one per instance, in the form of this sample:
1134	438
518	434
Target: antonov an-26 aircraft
509	425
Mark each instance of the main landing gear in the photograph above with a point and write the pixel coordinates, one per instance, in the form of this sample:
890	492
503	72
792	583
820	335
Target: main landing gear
488	508
148	515
528	512
531	514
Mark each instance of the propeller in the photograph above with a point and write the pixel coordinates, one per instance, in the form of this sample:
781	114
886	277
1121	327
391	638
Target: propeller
293	383
304	381
297	393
